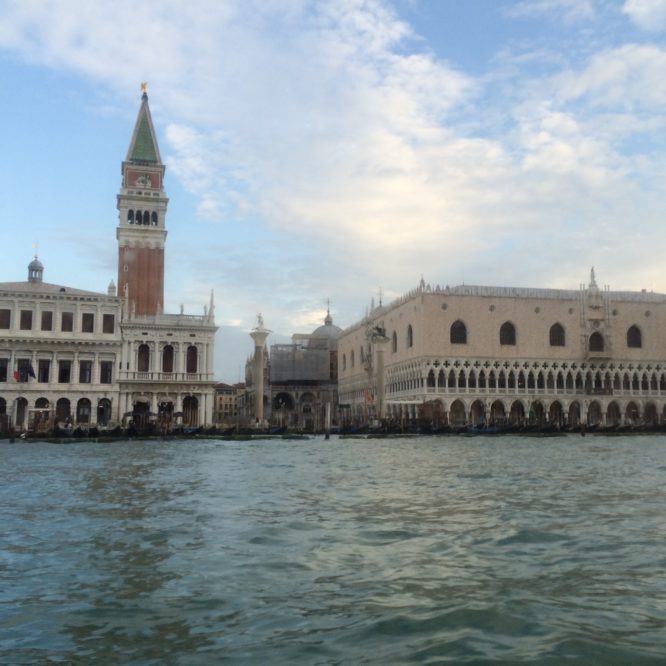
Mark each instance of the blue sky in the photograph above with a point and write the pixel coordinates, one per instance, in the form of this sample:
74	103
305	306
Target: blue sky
322	150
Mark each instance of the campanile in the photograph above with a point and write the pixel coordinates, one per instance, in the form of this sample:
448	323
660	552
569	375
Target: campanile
141	232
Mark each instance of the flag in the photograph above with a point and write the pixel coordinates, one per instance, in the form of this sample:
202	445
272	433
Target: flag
31	372
17	376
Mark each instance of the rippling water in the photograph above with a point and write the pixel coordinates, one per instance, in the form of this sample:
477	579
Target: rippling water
417	550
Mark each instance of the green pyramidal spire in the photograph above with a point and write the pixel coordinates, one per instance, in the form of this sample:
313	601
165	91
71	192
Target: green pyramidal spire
143	146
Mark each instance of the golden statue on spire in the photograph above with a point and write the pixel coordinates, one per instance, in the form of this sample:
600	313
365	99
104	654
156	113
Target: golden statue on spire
144	86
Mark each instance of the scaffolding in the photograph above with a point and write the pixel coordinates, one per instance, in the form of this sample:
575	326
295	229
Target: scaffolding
298	362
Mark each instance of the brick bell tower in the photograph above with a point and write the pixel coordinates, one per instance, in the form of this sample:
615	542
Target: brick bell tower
141	232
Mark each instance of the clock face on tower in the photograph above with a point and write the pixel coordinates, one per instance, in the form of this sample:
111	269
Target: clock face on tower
142	179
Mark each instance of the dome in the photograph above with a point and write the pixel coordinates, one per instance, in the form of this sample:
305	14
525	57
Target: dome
35	270
35	265
329	330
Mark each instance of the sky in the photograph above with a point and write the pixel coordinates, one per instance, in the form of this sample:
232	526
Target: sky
339	151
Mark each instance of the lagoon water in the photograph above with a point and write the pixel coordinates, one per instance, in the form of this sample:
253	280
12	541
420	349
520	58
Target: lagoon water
463	550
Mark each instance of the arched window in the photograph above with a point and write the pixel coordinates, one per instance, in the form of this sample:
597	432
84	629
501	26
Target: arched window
103	411
351	358
344	361
410	336
167	359
146	217
557	335
634	337
130	217
143	359
62	409
153	218
83	411
507	334
394	342
458	333
191	360
596	342
431	379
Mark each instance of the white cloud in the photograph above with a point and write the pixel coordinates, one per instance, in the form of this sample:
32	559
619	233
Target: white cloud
569	11
630	76
648	15
330	156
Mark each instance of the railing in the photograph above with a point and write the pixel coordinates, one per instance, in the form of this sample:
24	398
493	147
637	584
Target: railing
154	376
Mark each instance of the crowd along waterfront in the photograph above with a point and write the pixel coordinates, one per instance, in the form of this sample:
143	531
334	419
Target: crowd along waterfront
470	550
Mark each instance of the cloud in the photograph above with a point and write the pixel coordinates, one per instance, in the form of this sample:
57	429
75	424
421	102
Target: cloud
330	153
570	11
649	15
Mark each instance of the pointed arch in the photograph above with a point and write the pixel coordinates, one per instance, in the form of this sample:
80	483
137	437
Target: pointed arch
507	334
596	342
557	337
634	337
458	333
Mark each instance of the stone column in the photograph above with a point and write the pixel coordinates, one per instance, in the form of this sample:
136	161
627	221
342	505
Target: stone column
259	335
380	346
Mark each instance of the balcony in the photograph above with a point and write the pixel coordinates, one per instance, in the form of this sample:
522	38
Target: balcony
162	377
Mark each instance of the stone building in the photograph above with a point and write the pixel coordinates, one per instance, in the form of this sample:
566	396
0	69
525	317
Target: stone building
228	399
493	355
59	351
98	358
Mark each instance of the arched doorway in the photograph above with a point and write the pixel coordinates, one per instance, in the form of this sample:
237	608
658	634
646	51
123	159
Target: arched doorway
497	413
477	413
650	417
517	413
283	408
83	411
190	411
457	415
574	414
21	413
103	412
613	415
555	414
632	414
307	409
63	410
537	413
594	415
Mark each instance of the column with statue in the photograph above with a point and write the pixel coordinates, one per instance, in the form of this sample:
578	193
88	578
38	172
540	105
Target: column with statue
259	334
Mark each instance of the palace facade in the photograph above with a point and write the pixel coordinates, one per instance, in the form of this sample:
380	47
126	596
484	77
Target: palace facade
90	359
495	355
